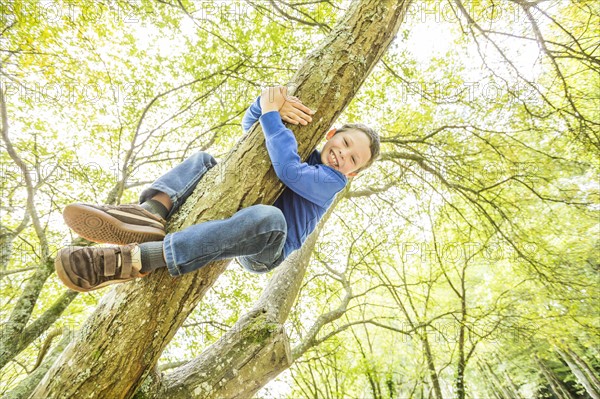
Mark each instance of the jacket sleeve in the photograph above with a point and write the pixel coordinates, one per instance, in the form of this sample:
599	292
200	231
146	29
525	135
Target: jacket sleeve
317	183
251	116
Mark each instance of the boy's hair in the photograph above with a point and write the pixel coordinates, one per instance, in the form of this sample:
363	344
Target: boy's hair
373	139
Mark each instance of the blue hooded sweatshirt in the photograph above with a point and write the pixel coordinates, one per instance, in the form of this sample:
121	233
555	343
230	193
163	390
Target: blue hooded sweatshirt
311	186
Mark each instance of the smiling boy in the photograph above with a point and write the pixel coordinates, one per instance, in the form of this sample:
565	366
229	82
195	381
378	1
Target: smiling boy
259	236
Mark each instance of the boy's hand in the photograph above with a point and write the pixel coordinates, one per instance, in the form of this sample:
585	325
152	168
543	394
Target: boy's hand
272	98
290	108
294	112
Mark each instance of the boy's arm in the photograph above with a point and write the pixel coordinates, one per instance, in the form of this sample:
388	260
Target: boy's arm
291	108
316	183
251	116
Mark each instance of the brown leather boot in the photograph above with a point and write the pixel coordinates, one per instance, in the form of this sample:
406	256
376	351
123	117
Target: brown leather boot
86	269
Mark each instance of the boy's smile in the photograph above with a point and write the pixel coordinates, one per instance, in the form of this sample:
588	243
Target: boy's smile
346	151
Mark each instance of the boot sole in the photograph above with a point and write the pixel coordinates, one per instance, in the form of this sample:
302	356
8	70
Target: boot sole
98	226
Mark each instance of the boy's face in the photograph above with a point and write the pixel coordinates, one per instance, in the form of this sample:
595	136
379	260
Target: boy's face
346	151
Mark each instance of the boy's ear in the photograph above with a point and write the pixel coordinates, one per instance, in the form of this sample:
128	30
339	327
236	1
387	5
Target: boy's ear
330	133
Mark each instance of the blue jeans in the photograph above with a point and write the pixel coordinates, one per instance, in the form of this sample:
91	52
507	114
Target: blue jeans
255	235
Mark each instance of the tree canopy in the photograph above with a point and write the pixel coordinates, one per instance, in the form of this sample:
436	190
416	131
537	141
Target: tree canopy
464	263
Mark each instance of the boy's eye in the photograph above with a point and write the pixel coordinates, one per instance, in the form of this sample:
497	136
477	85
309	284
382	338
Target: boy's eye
345	143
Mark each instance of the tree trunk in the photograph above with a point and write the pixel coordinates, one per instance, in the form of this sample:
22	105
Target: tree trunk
588	370
11	345
556	385
581	377
490	385
437	389
122	340
254	351
27	385
6	247
461	363
512	385
506	392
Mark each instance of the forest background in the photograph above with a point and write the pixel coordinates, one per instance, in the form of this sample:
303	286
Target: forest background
464	263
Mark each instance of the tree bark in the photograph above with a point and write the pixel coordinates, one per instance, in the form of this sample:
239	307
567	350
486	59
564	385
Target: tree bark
122	340
579	373
254	351
6	247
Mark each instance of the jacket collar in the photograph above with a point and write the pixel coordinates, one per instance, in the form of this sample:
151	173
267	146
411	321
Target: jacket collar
315	159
